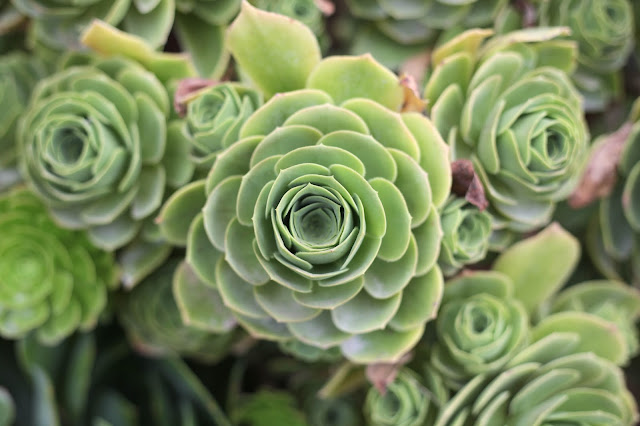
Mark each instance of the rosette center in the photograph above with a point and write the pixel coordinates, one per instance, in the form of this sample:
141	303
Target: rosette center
314	223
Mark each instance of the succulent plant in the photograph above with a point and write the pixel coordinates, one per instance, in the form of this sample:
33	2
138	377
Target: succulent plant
19	73
604	31
613	301
559	379
214	118
613	235
299	229
153	322
480	327
293	232
200	27
467	231
96	147
406	401
54	281
58	24
508	105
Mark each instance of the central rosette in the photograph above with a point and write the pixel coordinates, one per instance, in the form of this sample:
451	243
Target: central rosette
310	221
320	224
327	222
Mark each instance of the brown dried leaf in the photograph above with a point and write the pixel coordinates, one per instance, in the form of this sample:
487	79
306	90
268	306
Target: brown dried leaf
601	172
528	12
416	66
412	100
186	88
381	375
326	7
466	184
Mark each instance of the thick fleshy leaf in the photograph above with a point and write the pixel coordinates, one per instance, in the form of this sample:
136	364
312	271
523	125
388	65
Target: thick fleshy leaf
345	77
596	335
200	306
262	43
554	248
179	211
380	346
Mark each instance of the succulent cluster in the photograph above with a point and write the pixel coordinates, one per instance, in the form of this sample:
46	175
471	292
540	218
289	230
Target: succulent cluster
314	213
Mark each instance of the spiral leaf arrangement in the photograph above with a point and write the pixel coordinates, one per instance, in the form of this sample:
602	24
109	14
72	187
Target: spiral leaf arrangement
508	105
53	280
218	181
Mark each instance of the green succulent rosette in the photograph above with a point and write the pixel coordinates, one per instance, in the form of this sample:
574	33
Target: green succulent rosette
54	281
296	213
508	105
480	327
483	322
613	234
406	401
397	30
466	233
214	118
200	26
57	24
612	301
19	73
151	318
604	31
568	373
293	224
96	147
563	378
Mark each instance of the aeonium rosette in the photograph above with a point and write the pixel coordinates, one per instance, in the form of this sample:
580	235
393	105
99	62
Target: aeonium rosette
561	371
603	30
466	230
53	282
95	146
479	327
320	223
214	116
408	400
508	105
